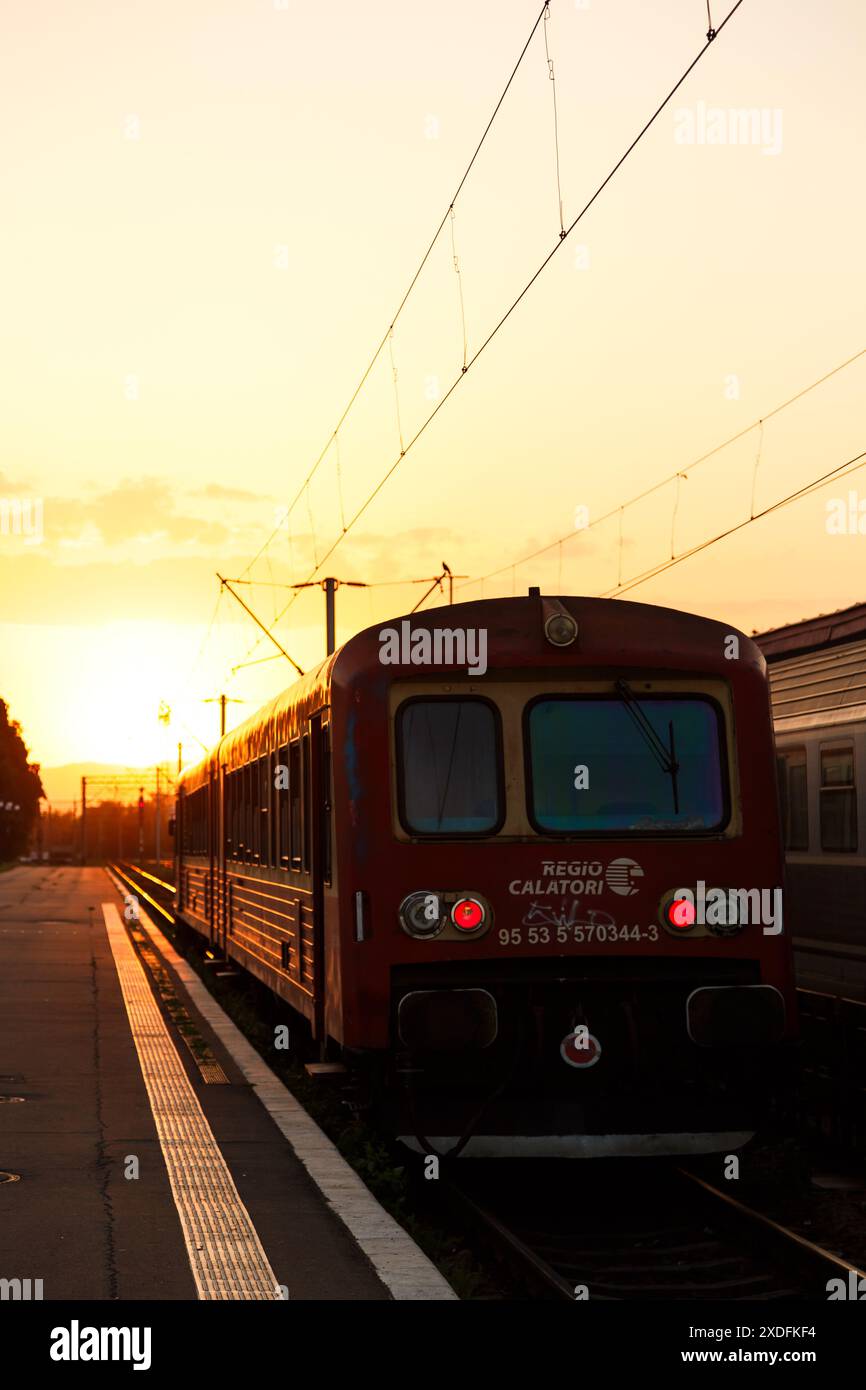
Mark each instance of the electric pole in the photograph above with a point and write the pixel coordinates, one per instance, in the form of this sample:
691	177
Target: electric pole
222	701
330	586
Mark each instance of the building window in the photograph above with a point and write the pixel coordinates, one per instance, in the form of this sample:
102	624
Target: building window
838	800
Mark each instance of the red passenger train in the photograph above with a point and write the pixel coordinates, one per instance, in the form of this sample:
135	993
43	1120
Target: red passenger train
482	852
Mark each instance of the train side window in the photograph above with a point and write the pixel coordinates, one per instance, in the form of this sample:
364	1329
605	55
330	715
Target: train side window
257	811
255	802
306	812
252	805
838	799
247	785
283	803
273	827
449	766
235	812
793	797
326	802
264	812
252	817
295	803
239	813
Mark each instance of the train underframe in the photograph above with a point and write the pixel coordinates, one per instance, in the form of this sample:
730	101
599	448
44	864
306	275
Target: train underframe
480	1059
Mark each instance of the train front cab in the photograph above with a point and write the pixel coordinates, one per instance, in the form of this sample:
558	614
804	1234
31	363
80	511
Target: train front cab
690	1030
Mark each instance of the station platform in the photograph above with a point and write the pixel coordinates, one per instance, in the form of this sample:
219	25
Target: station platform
146	1149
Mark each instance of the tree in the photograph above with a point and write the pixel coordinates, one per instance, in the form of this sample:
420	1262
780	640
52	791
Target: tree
20	788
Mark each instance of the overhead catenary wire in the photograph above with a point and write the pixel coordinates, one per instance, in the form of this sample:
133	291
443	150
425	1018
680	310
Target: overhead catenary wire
841	470
551	74
412	283
456	261
679	473
517	300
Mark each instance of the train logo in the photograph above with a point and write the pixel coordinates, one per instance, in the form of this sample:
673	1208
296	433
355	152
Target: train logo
620	874
583	1053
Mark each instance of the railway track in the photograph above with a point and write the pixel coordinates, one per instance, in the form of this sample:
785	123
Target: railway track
156	892
634	1230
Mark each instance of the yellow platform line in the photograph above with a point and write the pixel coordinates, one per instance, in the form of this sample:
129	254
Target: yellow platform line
225	1254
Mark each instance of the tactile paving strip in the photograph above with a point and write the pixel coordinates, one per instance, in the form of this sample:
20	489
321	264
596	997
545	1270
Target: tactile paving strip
225	1253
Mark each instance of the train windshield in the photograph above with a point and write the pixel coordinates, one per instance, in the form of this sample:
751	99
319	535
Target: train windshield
592	767
449	767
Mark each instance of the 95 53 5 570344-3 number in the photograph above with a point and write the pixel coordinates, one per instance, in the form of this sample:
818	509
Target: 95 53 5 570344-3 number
579	933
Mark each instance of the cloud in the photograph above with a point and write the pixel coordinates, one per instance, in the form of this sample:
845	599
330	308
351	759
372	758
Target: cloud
10	489
141	509
217	492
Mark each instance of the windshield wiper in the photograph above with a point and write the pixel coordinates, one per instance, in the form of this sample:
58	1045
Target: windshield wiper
664	756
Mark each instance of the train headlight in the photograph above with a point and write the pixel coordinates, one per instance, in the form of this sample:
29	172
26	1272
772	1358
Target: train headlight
717	912
560	629
423	914
726	913
447	912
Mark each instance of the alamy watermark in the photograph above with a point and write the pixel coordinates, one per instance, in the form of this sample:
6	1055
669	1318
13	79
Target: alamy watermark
21	1290
846	518
730	907
759	126
438	646
854	1289
77	1343
22	516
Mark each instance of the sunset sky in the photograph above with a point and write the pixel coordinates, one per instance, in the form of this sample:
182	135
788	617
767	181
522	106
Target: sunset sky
211	213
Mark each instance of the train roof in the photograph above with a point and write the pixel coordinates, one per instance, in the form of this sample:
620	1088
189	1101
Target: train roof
814	634
620	631
818	670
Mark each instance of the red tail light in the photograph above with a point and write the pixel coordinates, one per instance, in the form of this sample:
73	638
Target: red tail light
467	914
681	914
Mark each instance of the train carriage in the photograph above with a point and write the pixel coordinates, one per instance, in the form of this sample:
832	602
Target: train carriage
518	862
817	673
